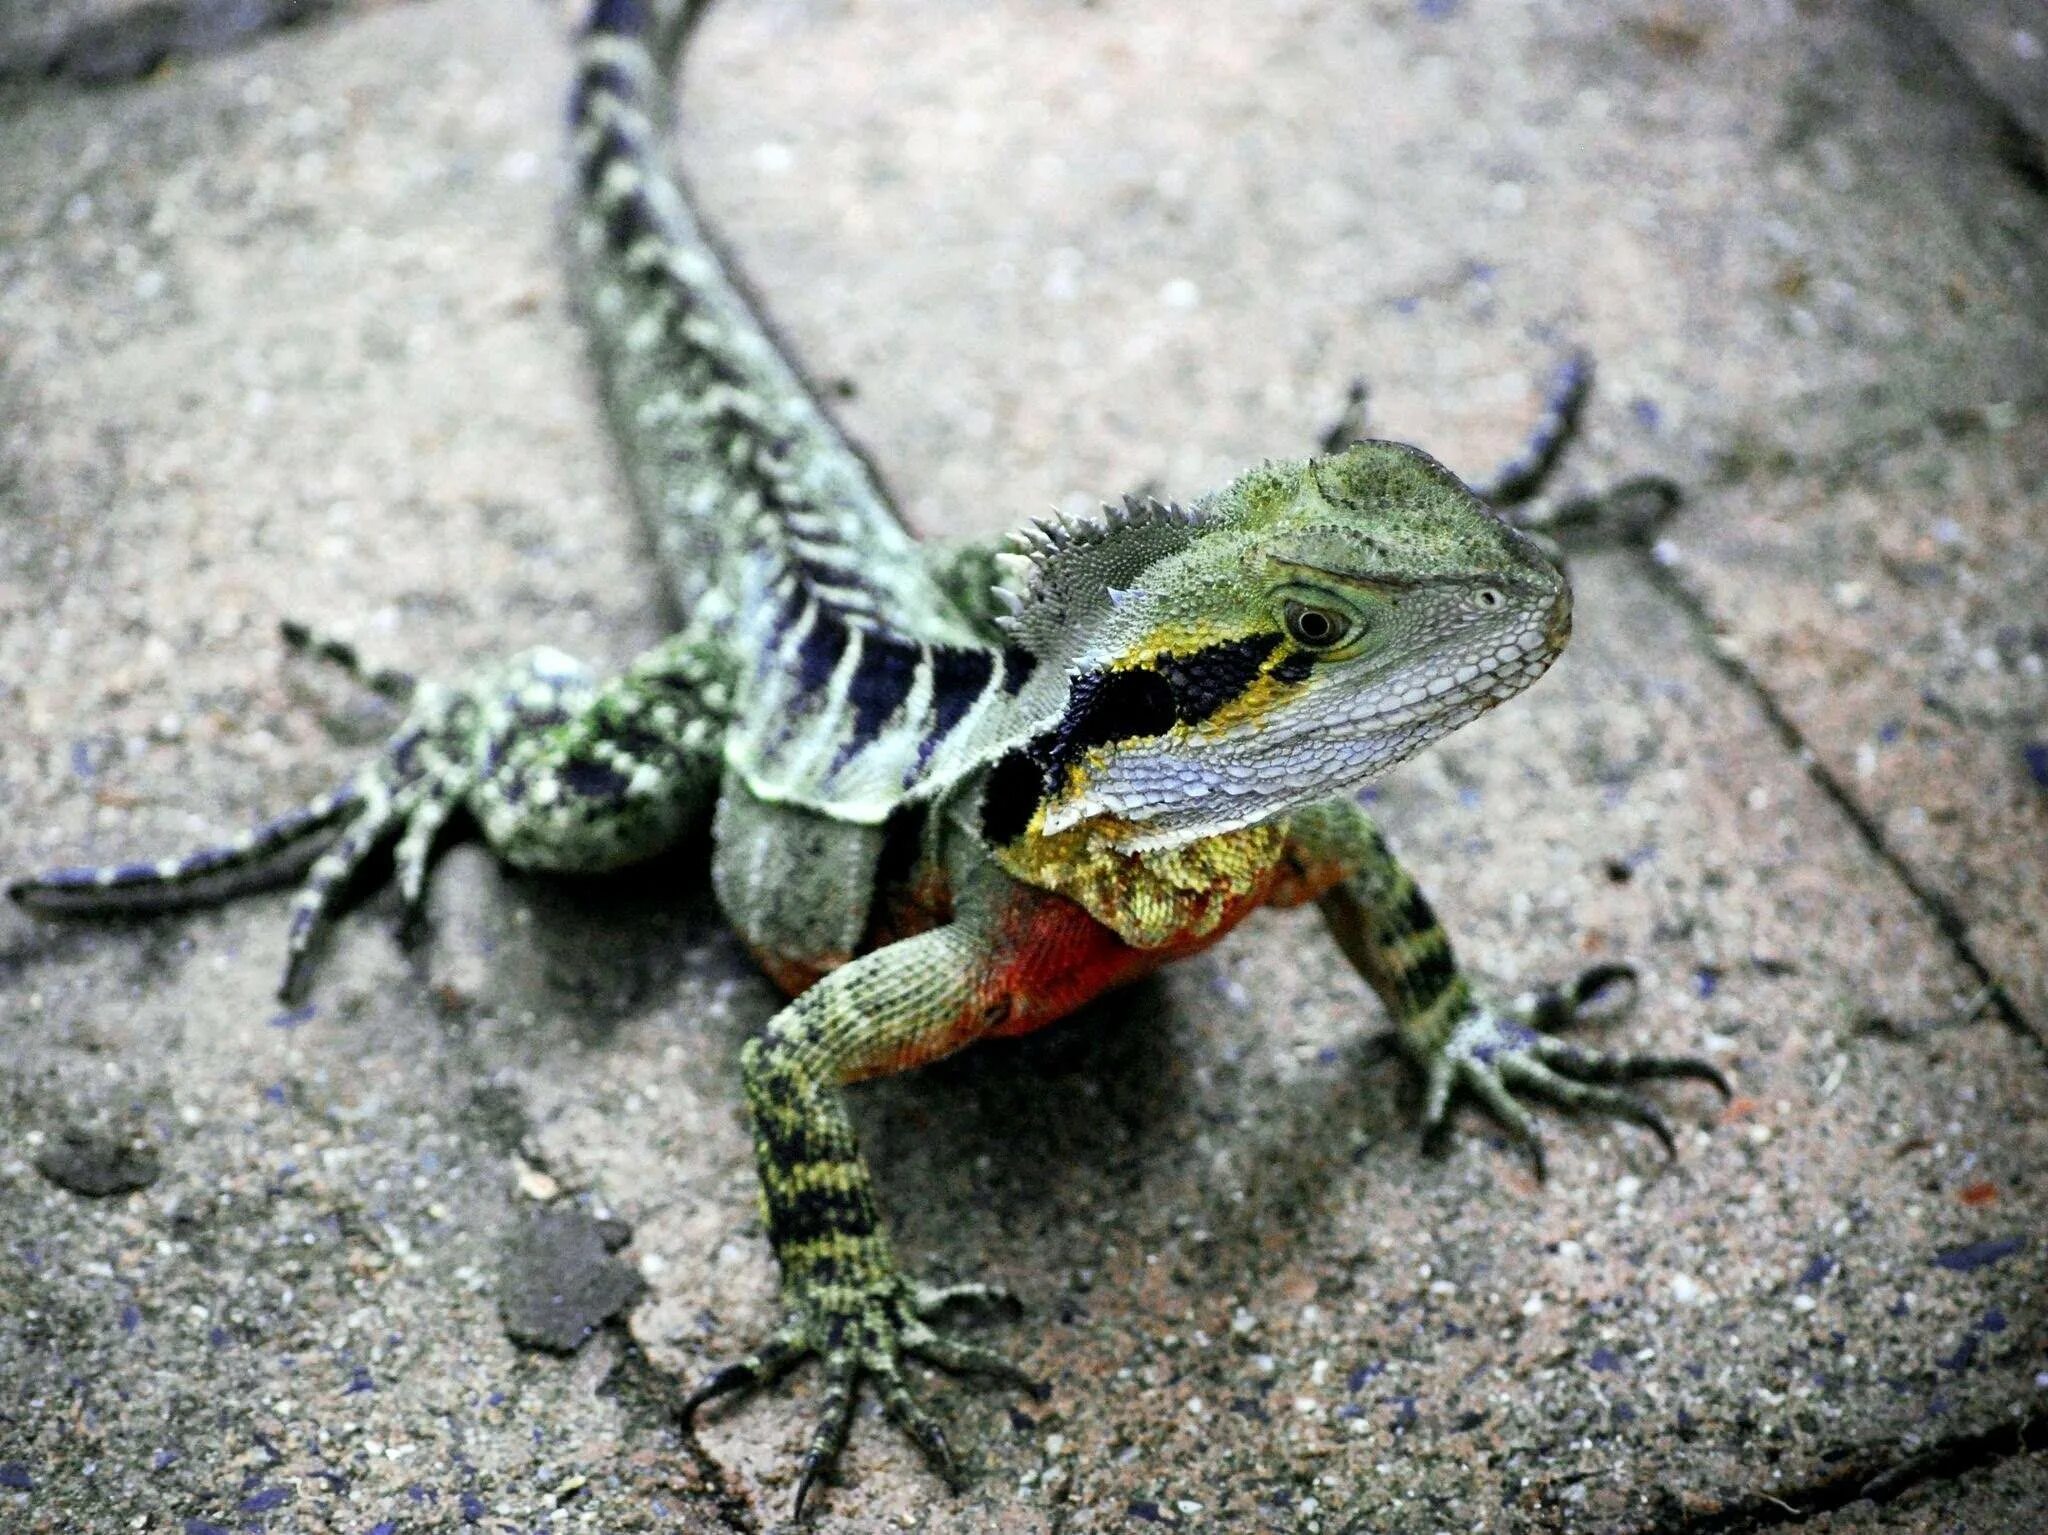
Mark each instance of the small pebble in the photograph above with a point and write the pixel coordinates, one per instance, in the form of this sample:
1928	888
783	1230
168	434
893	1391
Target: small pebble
97	1164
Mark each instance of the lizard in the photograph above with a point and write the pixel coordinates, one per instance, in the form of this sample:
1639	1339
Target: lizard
954	792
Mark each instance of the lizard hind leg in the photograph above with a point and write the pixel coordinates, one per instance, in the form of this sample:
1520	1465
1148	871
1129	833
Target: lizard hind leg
254	859
1628	511
1523	477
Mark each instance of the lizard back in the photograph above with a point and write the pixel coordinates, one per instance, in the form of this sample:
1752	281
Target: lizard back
857	671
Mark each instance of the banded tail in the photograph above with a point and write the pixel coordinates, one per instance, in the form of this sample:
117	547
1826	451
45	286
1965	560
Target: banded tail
746	481
771	527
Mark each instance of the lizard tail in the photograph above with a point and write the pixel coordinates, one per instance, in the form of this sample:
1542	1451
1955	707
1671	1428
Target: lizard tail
732	457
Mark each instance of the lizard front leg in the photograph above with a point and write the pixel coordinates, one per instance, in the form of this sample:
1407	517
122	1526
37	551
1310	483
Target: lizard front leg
1459	1039
849	1303
560	773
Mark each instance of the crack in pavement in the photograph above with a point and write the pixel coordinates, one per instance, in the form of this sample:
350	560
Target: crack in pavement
1954	929
118	49
2023	149
1865	1477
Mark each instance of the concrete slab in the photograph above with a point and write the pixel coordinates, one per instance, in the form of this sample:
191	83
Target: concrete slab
284	335
1145	249
2005	45
1892	607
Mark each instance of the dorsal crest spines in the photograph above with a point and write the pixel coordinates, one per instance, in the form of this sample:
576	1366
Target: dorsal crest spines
1060	569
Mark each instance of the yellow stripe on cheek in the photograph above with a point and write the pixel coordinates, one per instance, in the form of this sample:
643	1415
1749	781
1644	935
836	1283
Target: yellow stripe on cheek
1252	708
1183	640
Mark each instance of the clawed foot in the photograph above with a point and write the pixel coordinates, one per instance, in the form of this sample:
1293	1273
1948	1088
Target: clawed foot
865	1333
1494	1053
399	802
1628	514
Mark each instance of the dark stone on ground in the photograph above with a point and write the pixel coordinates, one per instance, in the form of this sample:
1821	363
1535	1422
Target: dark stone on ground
560	1283
97	1163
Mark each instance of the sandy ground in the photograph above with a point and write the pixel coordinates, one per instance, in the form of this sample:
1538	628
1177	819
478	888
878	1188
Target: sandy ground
283	333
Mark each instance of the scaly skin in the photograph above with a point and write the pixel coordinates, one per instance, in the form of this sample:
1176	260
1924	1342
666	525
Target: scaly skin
954	793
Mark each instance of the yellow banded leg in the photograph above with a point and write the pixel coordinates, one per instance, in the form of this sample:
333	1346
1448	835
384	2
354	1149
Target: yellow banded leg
849	1303
1457	1038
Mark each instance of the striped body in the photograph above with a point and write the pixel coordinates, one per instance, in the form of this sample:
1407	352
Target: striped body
859	672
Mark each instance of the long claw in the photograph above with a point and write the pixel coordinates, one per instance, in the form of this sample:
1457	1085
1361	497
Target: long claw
1581	1097
767	1364
958	1355
930	1300
1555	1008
1587	989
1599	1066
1500	1103
1642	1114
903	1411
1606	1100
1678	1068
1704	1071
835	1421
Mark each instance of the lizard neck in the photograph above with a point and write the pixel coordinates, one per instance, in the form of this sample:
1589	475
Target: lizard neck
1157	898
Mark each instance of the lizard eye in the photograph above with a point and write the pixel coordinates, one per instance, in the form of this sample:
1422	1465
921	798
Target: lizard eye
1315	628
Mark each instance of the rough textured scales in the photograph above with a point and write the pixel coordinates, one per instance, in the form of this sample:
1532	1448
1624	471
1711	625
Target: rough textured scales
1790	893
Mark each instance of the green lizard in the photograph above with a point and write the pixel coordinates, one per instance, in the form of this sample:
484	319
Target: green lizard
954	793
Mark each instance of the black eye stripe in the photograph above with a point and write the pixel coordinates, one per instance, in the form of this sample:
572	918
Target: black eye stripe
1206	680
1108	707
1294	666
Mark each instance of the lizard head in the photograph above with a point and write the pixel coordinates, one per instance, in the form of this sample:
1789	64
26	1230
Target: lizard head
1278	643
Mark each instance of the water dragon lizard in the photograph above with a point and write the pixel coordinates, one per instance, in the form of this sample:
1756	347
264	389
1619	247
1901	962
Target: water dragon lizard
954	792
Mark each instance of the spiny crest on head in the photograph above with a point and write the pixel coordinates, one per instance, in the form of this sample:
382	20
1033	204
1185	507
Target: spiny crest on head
1059	571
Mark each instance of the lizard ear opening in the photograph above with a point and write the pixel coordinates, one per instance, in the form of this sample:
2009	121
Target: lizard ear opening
1060	572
